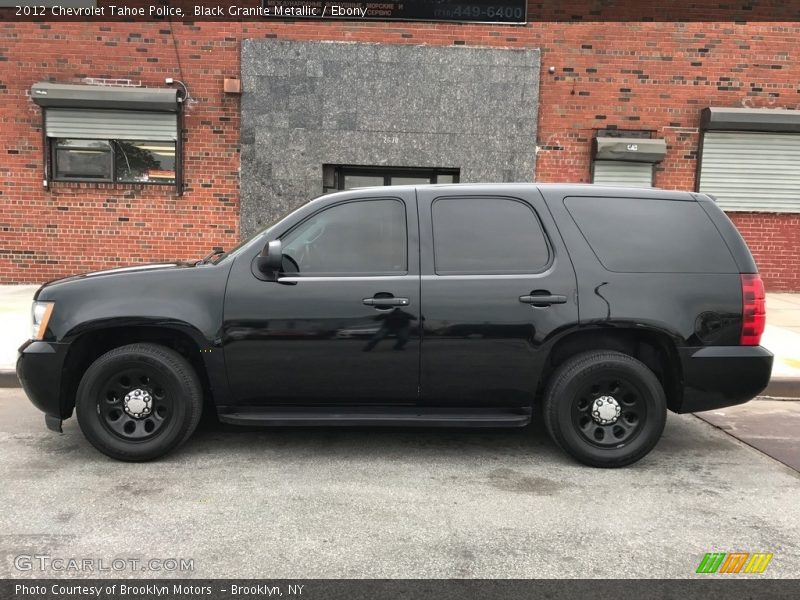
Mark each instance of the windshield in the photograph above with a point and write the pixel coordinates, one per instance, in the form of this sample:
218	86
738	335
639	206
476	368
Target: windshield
239	248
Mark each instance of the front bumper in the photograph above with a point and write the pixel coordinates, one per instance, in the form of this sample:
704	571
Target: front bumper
719	376
39	369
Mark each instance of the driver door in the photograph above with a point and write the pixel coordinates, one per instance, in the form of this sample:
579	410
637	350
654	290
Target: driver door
341	324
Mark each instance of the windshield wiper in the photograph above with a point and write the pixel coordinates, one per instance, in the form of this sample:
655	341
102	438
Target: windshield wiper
215	252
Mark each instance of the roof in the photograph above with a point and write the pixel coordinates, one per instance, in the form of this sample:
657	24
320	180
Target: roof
581	189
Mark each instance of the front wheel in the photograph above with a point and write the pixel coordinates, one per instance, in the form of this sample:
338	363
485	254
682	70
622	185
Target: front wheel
605	408
138	402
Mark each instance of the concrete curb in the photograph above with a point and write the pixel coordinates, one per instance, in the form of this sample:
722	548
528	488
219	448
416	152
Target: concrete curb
8	378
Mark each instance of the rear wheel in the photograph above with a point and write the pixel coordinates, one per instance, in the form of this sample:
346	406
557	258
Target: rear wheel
138	402
605	408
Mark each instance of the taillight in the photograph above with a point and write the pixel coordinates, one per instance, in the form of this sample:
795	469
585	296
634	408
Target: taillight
754	313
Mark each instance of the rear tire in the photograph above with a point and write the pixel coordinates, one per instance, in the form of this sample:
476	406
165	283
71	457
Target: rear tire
139	402
605	408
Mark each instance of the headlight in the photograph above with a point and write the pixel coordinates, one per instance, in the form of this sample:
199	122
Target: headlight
41	315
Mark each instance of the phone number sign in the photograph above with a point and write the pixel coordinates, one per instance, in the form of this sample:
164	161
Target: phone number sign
489	11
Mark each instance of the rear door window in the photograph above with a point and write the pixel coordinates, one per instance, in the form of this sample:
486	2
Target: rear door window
487	236
641	235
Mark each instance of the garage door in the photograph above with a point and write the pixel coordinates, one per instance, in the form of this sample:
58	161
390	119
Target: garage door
748	171
624	173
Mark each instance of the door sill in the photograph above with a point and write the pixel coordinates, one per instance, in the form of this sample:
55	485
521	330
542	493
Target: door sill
377	416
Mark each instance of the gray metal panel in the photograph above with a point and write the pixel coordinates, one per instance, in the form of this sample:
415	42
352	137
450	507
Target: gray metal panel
111	124
750	119
629	149
68	95
752	171
623	173
472	109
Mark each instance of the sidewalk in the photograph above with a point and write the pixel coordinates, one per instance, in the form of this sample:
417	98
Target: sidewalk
15	327
781	337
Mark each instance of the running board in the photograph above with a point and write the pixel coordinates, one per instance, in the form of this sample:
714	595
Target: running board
392	417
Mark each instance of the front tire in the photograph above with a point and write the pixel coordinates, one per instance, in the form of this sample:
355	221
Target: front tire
605	408
139	402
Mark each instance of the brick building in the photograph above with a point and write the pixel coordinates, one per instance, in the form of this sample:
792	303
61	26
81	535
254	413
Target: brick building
580	94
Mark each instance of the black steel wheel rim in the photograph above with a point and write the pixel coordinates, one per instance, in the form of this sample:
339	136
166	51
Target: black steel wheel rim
623	392
135	403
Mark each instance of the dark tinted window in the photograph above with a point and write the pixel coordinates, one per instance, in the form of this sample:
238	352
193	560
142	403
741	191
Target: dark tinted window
357	238
83	160
487	236
633	235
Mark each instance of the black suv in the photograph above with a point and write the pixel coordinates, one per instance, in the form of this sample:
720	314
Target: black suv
450	305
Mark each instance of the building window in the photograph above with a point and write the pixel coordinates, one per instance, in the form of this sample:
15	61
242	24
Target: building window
144	162
82	160
121	161
337	177
110	134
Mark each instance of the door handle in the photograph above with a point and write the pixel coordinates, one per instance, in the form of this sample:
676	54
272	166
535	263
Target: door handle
543	300
386	302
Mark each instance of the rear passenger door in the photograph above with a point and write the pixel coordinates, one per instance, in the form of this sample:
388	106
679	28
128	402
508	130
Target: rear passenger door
497	284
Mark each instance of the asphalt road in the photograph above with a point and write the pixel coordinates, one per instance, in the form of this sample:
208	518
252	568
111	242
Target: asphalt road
363	503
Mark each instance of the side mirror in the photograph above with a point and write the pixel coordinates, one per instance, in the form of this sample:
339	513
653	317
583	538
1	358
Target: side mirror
271	257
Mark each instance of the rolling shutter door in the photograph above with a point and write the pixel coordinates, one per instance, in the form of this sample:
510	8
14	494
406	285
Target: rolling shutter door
749	171
623	173
111	124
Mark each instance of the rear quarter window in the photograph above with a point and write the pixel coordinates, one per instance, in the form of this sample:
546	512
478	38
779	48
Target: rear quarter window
641	235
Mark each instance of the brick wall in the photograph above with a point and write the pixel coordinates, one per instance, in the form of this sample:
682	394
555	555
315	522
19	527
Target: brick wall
630	75
79	227
773	240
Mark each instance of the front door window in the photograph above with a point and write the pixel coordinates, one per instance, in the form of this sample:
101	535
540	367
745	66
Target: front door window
352	239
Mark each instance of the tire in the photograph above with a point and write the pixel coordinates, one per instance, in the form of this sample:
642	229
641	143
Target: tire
630	417
151	379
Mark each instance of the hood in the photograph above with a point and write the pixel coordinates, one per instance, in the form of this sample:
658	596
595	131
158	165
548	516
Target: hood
125	271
